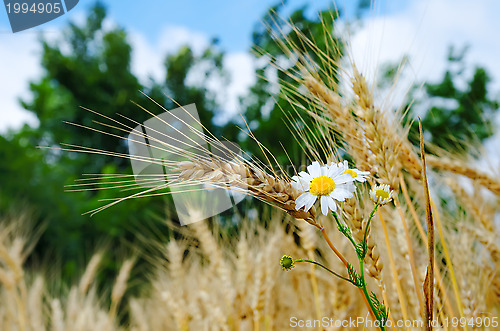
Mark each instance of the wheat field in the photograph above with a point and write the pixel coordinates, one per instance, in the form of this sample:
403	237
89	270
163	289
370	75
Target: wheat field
207	280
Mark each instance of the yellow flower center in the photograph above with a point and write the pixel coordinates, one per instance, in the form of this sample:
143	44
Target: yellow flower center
382	194
351	172
322	185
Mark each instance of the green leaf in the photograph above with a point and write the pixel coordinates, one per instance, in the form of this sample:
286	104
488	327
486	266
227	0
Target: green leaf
353	276
380	308
361	250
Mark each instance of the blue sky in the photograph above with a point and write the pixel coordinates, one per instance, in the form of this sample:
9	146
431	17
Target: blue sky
231	21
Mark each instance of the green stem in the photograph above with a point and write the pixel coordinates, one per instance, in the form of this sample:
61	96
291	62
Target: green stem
361	253
367	296
361	256
367	226
327	269
362	268
348	236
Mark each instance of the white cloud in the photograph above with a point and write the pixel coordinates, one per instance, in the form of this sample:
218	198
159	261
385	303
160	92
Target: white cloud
173	37
424	30
242	77
19	63
148	58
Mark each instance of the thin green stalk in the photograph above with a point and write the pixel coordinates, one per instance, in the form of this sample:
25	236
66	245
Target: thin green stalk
368	223
344	261
361	251
344	229
365	291
327	269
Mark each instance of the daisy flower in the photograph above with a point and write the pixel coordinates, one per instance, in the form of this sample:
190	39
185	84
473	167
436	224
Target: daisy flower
356	174
381	194
328	183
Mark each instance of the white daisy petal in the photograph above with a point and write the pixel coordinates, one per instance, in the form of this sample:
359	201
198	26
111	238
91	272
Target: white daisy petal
324	205
301	200
334	170
345	178
314	169
305	176
331	203
297	185
311	199
324	171
300	184
347	186
341	194
361	176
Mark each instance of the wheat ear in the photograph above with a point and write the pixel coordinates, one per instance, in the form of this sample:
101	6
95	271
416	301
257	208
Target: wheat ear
257	182
90	273
120	285
457	167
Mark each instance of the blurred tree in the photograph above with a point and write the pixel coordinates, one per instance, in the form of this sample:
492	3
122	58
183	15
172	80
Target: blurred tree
208	66
89	67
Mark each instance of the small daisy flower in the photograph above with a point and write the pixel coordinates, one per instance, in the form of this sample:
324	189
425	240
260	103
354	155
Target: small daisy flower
356	174
328	183
381	194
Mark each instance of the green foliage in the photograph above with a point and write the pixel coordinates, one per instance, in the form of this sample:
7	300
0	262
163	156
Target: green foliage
88	67
361	250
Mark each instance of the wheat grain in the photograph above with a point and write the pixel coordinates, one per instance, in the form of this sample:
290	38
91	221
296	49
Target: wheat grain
139	320
57	317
